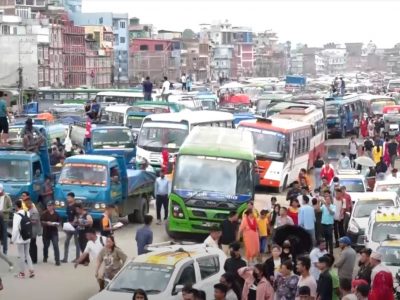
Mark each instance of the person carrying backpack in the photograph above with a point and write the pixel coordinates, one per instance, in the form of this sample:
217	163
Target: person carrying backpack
21	236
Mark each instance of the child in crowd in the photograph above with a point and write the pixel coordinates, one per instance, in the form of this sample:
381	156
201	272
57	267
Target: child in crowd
263	230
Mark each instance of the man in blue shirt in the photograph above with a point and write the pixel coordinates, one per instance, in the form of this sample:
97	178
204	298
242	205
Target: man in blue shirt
327	219
144	236
147	89
161	192
307	218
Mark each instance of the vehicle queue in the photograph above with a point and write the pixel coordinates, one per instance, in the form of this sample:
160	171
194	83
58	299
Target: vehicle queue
184	140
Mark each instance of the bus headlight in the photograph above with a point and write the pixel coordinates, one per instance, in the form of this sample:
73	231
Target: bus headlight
99	206
177	211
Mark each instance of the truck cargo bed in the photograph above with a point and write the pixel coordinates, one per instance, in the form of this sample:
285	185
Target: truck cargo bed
139	180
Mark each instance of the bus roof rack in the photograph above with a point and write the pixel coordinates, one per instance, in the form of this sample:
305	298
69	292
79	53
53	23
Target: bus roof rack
263	119
298	109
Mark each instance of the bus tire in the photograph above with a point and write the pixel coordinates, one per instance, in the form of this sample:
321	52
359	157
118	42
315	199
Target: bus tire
141	211
283	187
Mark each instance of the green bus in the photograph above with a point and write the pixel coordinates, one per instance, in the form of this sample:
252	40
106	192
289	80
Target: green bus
214	174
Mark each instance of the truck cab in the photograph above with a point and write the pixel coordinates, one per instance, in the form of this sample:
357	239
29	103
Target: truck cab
98	181
22	171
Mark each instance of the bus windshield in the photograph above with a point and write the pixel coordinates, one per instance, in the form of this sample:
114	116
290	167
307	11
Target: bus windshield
15	170
378	105
112	138
204	173
332	111
155	136
269	144
83	174
134	121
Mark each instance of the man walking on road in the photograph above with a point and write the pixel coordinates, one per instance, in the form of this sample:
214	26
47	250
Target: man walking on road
392	148
327	220
5	210
36	230
165	89
229	228
3	121
50	222
307	218
20	236
144	236
71	215
83	222
183	80
161	191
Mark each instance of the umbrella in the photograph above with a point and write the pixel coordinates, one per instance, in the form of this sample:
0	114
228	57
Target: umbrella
365	161
300	240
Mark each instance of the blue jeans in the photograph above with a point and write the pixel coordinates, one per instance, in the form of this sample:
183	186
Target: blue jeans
53	238
263	244
4	234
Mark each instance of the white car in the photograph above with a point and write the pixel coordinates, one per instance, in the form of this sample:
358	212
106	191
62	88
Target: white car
362	209
388	185
383	223
163	272
354	182
390	250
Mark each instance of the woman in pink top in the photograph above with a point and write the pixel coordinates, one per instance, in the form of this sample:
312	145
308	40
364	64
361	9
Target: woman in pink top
256	286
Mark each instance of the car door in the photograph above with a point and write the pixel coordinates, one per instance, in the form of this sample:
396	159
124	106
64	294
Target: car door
209	267
185	276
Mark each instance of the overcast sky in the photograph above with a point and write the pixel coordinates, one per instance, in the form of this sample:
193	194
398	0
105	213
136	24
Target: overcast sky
311	22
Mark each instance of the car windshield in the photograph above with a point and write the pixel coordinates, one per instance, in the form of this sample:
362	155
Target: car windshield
112	138
390	255
381	230
153	137
268	144
83	174
334	151
227	176
152	278
134	121
363	208
388	188
377	106
262	105
353	185
208	104
14	170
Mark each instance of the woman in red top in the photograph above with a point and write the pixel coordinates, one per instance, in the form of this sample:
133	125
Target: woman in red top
382	287
293	211
251	240
364	127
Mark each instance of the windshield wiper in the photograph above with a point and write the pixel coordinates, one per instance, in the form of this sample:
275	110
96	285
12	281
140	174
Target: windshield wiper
152	291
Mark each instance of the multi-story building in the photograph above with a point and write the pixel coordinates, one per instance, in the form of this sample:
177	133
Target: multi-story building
243	40
74	54
24	52
354	56
119	24
139	31
99	56
335	60
26	9
152	57
269	59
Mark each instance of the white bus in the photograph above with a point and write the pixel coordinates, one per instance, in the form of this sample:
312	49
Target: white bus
315	117
169	131
119	97
118	114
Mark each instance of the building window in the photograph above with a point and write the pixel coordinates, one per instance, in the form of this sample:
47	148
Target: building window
30	2
116	39
159	47
122	40
144	48
122	24
5	30
101	20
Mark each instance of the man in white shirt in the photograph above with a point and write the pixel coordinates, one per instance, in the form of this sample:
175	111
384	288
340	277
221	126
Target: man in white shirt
213	239
183	80
93	247
315	254
165	89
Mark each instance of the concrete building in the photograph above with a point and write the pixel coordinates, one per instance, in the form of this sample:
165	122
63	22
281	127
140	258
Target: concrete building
154	58
269	57
99	56
354	60
169	35
119	24
24	52
335	60
26	9
139	31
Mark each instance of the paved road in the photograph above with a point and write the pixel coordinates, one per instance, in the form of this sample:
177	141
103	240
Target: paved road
67	283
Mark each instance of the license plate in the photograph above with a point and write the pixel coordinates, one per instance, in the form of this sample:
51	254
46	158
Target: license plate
208	224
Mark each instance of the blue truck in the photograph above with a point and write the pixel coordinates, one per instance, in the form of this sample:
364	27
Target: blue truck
295	83
98	180
22	171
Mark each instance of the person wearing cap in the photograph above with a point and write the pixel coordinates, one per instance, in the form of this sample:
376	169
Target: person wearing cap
5	209
377	266
50	222
347	259
324	286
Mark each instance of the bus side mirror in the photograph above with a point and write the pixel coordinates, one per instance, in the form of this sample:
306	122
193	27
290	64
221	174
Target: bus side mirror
256	179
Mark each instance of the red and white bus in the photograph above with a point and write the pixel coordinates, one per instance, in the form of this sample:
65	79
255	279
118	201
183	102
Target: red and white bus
281	148
315	117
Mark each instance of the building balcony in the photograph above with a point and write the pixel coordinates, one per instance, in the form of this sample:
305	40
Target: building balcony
75	30
74	69
74	49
